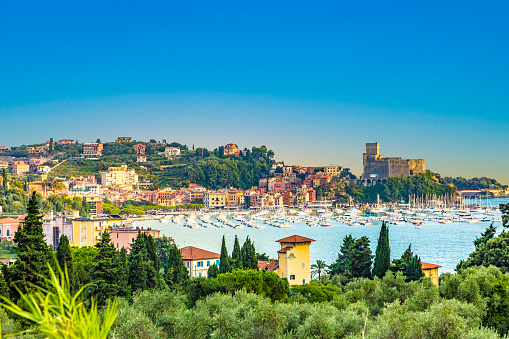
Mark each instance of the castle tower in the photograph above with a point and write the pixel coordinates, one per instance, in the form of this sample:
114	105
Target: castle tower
372	148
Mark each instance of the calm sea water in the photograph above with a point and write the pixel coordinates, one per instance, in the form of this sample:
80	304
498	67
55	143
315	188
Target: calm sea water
442	244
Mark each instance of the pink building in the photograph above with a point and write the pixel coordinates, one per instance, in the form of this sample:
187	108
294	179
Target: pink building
124	237
8	226
55	228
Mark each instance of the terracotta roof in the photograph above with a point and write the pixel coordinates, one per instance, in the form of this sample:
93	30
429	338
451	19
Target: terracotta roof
269	265
424	265
427	266
9	221
194	253
283	250
295	239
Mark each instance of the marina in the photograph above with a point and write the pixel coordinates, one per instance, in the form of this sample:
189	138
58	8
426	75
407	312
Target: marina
437	234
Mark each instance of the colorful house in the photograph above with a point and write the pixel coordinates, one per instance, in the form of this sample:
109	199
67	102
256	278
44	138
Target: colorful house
198	261
125	139
294	263
430	271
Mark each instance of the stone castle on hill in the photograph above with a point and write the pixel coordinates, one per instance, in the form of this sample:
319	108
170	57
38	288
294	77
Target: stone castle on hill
377	166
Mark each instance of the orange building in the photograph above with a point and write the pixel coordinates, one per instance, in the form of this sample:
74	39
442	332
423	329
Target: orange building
231	149
139	149
20	167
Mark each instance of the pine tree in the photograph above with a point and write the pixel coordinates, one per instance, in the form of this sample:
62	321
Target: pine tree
175	272
383	253
414	269
249	255
488	234
105	280
344	260
144	264
122	270
236	255
402	263
361	259
34	254
64	258
4	180
137	272
213	271
224	259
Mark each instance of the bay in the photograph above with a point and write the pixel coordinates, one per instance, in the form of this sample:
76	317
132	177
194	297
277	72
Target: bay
442	244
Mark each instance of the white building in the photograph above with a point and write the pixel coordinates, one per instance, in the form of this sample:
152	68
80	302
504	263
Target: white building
85	189
198	261
119	176
171	152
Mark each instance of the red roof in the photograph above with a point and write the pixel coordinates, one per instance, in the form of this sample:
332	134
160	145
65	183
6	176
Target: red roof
283	250
10	221
427	266
295	239
194	253
269	265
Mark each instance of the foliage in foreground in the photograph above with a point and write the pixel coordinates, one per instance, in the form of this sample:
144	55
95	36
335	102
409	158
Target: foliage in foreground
58	313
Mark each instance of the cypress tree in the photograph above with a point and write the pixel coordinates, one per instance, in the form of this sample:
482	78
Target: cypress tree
213	271
144	263
175	272
236	254
122	270
249	255
361	259
104	278
383	253
64	258
344	260
224	259
137	272
4	180
34	254
414	269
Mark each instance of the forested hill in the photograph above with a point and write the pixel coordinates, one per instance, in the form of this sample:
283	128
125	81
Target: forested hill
474	183
400	188
223	171
212	169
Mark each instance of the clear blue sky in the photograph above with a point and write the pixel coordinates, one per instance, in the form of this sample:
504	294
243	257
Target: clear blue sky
313	81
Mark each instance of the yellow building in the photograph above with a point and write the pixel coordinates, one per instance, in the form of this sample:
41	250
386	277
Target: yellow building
430	271
119	176
294	263
125	139
89	231
231	149
234	197
332	170
215	199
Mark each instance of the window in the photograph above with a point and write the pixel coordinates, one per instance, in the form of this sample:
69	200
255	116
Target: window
153	235
117	244
0	232
8	232
292	277
199	275
201	263
208	263
132	240
303	281
117	235
217	262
